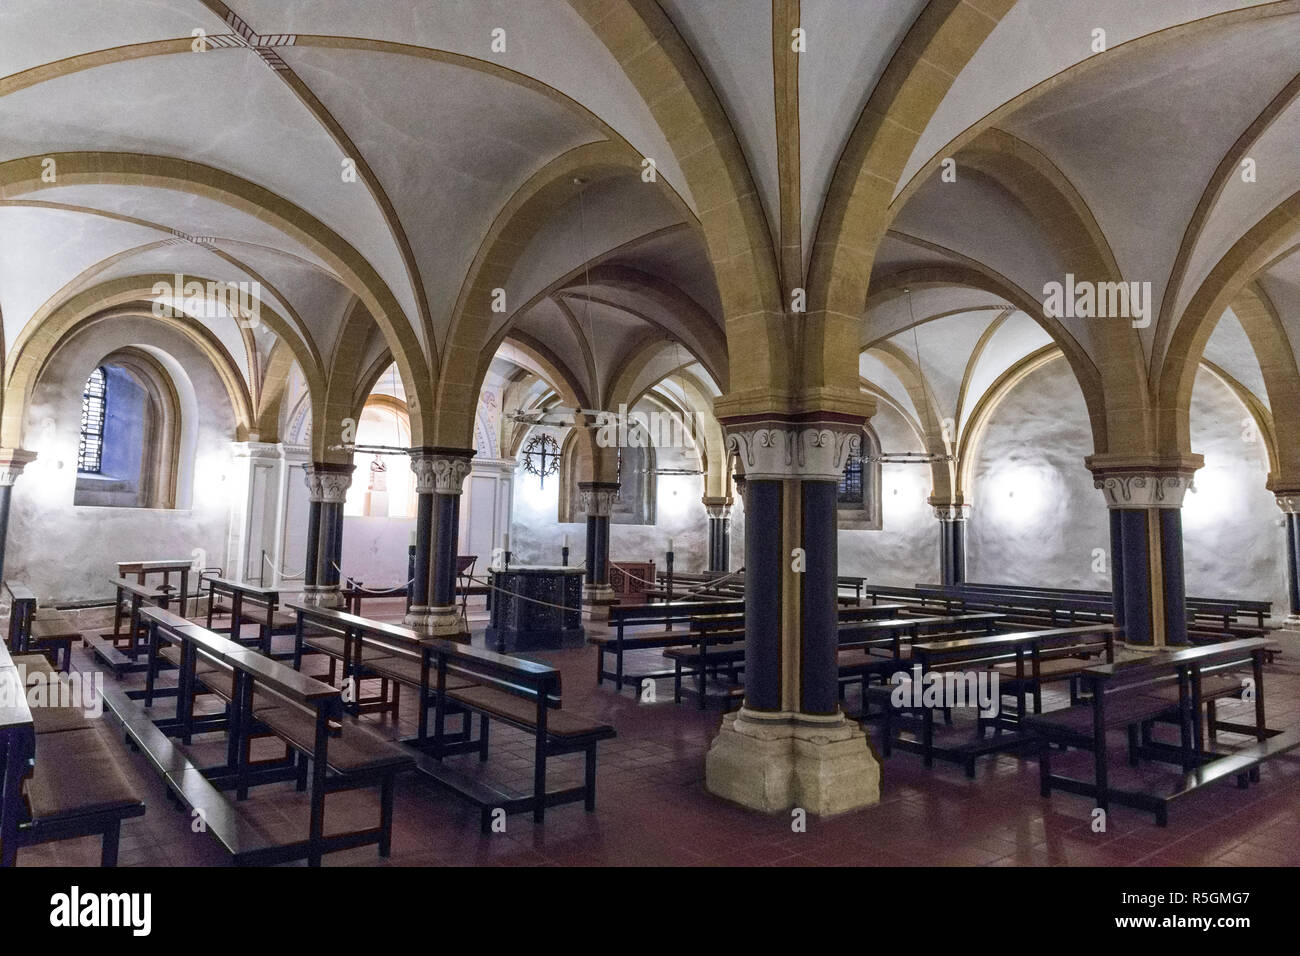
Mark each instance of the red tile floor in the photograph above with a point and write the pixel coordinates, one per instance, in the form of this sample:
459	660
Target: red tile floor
653	809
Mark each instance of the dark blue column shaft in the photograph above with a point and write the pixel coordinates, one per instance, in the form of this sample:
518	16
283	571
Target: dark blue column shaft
819	669
446	513
1135	575
1293	561
597	550
423	544
6	493
313	544
1117	562
1171	564
764	562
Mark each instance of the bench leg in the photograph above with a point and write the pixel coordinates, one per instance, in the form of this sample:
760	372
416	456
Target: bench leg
108	851
1045	769
482	735
386	816
590	795
539	780
1101	770
677	682
600	664
1132	745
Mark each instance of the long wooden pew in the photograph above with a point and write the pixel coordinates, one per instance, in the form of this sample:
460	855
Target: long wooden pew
1134	694
454	679
121	651
1030	658
60	774
324	752
1229	609
247	604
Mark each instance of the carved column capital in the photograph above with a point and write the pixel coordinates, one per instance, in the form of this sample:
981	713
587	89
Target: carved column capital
1289	502
328	482
776	448
718	507
440	471
951	512
12	463
598	497
1143	489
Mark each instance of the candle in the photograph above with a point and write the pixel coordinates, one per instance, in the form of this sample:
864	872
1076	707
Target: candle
505	541
413	538
670	544
566	540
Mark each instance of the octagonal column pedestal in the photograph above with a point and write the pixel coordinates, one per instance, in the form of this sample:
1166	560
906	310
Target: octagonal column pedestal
598	499
790	745
1146	533
327	487
1289	502
439	480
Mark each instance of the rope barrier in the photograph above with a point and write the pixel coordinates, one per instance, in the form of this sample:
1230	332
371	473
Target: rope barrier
703	589
282	571
523	597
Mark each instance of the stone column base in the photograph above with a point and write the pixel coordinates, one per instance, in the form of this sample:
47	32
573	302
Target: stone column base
315	596
438	621
776	762
1292	622
597	600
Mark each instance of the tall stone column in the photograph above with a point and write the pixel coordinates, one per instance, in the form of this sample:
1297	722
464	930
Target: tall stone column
327	487
952	542
439	480
1289	502
1146	520
12	463
598	498
790	745
719	512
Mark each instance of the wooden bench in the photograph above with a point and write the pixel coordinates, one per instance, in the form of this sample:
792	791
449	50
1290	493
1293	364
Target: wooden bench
248	604
521	694
397	655
324	752
39	630
1133	695
622	617
1229	609
1029	654
59	772
121	652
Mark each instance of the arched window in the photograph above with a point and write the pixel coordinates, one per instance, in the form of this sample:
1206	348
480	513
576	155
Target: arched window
129	445
858	497
94	398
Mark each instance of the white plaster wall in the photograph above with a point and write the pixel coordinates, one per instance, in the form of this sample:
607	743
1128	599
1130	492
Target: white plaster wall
1234	539
1037	518
536	537
66	553
375	550
905	550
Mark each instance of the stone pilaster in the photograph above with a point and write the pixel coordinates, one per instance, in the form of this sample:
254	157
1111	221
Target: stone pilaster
439	480
1145	499
952	519
327	489
598	499
12	463
1289	502
790	745
719	513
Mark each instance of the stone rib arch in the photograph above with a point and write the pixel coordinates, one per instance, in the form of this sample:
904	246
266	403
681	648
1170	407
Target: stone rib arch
737	234
1249	256
22	178
507	240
